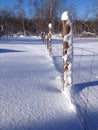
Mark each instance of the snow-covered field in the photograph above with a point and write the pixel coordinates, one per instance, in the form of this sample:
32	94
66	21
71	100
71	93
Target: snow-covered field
30	89
85	75
30	86
84	93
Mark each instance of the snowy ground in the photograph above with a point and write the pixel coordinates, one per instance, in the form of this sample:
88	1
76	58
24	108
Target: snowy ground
30	88
85	79
85	89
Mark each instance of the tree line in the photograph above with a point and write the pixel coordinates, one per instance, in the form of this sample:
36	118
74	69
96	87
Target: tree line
40	13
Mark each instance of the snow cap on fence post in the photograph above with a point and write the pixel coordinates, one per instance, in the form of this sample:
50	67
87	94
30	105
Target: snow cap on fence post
65	16
67	50
50	28
50	25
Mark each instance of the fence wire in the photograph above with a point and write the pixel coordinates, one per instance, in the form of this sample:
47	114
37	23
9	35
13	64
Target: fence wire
85	84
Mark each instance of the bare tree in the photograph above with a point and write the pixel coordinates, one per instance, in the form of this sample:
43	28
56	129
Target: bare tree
95	9
73	16
20	13
4	18
31	8
51	13
47	11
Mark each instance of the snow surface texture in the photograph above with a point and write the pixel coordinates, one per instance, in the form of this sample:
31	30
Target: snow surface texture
85	79
85	89
30	89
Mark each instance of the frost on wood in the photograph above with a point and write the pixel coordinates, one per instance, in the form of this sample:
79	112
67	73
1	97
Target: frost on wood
49	45
67	50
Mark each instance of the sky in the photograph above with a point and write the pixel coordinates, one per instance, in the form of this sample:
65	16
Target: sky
81	5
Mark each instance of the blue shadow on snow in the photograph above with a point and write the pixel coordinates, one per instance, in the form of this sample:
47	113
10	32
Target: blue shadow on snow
79	87
8	50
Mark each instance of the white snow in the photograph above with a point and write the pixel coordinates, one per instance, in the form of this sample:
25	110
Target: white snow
85	83
50	25
65	16
31	96
30	89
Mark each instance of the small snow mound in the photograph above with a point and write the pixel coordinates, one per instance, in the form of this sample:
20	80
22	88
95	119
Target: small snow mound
58	77
65	16
68	96
21	36
97	77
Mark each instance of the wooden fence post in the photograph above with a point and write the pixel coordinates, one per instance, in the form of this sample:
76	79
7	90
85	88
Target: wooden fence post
67	50
49	44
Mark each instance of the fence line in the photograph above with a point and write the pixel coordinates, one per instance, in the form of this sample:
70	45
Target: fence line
85	80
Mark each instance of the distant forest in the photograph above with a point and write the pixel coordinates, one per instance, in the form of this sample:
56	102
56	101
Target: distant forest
40	13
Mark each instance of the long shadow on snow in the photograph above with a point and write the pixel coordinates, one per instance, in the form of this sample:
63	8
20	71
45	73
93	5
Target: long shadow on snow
57	61
22	41
57	41
79	87
91	117
9	50
87	55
